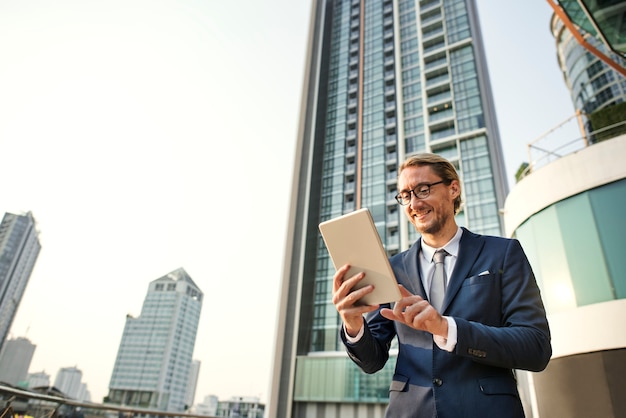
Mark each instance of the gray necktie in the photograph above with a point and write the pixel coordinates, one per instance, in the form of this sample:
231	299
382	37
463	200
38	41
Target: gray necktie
438	285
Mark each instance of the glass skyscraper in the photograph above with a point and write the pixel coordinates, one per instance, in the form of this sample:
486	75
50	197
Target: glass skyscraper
155	356
593	84
19	249
384	79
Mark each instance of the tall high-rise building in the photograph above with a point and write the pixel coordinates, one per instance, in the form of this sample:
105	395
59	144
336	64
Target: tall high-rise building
15	358
19	248
383	79
69	380
155	355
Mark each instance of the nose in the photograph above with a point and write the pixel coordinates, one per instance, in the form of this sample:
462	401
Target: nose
414	199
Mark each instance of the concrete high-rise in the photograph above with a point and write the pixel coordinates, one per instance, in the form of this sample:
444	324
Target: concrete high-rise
19	248
15	358
38	379
154	359
383	79
69	380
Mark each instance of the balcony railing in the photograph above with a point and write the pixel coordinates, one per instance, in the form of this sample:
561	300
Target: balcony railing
23	402
549	147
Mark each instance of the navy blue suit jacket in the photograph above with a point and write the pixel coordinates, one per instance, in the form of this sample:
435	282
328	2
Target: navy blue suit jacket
494	299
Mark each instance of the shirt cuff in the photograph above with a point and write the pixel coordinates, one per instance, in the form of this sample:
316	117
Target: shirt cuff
355	339
447	344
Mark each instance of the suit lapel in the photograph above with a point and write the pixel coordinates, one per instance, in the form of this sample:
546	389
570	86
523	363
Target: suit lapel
411	266
470	247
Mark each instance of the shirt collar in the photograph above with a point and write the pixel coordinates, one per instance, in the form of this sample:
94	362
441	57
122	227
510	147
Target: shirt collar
452	247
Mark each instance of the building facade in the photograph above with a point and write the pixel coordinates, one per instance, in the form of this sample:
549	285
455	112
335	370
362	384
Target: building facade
38	379
15	357
154	359
383	79
574	236
592	83
19	249
69	380
192	384
208	406
241	406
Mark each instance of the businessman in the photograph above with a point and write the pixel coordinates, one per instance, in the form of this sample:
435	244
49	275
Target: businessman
470	313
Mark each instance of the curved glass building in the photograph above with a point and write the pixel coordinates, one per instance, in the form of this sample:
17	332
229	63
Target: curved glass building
592	83
568	215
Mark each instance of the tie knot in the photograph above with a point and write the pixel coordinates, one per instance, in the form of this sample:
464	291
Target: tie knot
439	256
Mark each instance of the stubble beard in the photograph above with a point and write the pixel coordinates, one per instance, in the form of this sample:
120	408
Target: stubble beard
434	227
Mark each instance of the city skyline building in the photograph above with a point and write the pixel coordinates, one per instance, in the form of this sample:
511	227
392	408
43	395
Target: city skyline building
154	359
383	80
208	406
15	358
69	380
19	249
38	379
241	406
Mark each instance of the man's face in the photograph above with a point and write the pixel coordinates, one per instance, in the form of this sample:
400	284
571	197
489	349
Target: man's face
431	214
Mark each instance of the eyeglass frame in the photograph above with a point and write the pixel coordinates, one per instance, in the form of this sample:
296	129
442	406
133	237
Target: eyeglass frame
422	194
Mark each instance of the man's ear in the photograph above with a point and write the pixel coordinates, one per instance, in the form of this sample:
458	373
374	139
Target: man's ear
455	189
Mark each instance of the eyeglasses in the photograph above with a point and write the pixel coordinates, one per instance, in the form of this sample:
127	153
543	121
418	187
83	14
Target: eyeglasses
421	191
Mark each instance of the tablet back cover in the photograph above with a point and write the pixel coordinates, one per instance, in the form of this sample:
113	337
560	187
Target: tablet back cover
353	239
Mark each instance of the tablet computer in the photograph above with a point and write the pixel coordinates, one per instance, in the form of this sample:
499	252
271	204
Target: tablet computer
353	239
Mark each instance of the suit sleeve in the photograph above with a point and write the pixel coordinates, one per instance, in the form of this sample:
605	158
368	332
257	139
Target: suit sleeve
520	337
371	352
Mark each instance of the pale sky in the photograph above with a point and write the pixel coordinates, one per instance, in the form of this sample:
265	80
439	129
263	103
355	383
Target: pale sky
148	135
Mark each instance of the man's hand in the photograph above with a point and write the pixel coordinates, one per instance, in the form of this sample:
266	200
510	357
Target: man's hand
417	313
346	300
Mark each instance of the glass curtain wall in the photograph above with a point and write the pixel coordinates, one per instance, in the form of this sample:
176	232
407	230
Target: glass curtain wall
397	77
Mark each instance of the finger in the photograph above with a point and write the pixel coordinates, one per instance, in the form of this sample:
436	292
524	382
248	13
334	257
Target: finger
349	310
390	314
407	299
357	294
363	309
410	306
338	277
404	291
346	296
348	285
412	312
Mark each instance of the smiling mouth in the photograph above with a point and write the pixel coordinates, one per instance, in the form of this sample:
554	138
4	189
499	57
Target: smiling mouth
419	215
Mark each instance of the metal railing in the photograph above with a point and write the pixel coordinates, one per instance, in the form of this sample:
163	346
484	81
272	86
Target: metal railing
547	152
16	402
